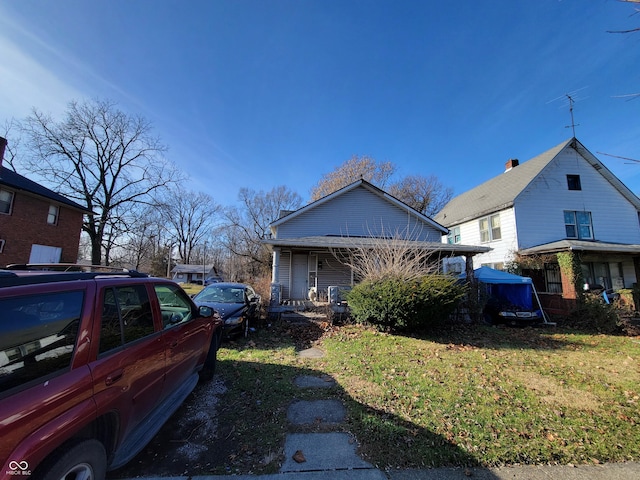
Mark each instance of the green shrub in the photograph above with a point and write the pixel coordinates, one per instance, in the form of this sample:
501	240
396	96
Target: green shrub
594	315
399	305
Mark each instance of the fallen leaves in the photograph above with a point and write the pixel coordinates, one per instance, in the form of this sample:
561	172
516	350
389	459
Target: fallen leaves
299	457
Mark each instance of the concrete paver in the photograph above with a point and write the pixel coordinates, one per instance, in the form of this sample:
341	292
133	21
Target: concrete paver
310	412
322	451
310	381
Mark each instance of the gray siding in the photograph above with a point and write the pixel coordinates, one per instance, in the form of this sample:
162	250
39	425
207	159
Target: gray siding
359	213
285	273
332	273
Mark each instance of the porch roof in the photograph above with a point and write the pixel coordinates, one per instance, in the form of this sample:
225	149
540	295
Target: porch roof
331	242
581	246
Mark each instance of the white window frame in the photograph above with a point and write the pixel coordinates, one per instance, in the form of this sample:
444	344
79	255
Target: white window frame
490	232
571	221
52	217
3	201
454	236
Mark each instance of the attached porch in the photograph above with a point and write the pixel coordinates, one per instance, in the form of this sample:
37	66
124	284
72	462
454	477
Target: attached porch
608	266
310	268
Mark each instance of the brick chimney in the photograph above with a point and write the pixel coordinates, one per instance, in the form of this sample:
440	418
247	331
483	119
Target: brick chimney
513	162
3	145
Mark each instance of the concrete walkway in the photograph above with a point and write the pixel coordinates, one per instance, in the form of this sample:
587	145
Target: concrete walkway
332	455
316	452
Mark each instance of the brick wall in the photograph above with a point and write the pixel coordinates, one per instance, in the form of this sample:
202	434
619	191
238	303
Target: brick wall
27	225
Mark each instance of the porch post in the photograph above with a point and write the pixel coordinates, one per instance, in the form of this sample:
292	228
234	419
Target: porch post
275	270
474	292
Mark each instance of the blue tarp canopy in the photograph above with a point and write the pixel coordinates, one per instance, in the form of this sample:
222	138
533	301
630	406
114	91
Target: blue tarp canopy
506	286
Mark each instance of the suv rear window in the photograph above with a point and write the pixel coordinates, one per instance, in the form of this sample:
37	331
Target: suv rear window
37	336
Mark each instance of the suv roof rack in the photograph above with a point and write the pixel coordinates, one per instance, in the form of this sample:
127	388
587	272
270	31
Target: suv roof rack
30	276
67	267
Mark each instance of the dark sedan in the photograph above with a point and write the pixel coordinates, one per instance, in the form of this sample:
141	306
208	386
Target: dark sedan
237	304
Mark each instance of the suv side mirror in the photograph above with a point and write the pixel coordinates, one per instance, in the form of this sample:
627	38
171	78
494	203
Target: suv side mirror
205	311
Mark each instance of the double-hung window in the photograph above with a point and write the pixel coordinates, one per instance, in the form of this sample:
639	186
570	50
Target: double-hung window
578	224
490	228
52	216
6	200
454	235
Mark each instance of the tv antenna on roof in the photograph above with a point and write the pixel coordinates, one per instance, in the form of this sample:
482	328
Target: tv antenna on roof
571	98
573	123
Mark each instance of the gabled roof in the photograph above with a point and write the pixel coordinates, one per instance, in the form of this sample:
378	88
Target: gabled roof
372	188
500	192
187	268
17	182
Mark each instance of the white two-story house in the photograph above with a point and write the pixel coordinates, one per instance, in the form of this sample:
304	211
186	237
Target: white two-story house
565	199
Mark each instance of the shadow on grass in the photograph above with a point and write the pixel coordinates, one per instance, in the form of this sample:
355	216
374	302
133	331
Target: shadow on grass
244	430
501	337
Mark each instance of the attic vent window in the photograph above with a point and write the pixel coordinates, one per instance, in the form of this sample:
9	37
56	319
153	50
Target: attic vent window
573	182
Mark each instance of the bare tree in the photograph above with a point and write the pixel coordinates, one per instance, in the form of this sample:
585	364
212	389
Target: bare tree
247	225
636	11
354	169
424	194
9	130
191	218
101	157
392	257
141	245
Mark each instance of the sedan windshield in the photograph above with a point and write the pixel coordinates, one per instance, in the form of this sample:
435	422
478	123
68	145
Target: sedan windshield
218	294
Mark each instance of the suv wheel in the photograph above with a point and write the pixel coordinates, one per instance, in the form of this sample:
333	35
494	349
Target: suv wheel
86	460
209	368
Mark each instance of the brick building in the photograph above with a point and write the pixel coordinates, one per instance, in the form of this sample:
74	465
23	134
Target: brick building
37	225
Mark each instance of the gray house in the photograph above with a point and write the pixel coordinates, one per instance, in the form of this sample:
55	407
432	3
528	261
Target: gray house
308	243
183	273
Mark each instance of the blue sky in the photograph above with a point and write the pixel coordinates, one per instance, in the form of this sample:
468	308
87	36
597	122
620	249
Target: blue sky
261	93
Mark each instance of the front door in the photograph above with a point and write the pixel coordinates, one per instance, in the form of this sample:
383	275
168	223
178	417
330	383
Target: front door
300	277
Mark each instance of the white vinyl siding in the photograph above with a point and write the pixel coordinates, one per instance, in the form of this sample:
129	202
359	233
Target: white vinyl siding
501	250
539	208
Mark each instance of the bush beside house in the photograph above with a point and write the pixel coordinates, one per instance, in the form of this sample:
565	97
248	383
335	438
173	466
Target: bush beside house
408	306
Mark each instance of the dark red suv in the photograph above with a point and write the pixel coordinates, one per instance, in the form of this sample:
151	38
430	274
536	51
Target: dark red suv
91	366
